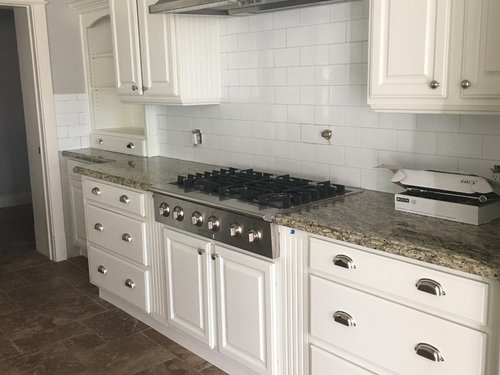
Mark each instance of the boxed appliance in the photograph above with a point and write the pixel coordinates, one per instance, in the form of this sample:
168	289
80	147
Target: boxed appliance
453	196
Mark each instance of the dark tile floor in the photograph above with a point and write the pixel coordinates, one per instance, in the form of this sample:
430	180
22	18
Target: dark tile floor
52	320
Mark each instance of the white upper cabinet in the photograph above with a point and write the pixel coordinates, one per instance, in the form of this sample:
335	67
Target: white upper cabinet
435	56
410	41
481	54
165	59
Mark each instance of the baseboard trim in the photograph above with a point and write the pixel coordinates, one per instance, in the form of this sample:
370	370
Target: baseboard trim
8	200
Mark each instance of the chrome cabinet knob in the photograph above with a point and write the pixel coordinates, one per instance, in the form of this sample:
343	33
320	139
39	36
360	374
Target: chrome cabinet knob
344	261
144	88
125	199
100	141
126	237
214	256
178	214
430	286
434	84
102	269
428	351
99	227
213	224
254	236
465	84
135	88
129	283
197	219
96	191
164	209
235	230
201	251
344	318
130	145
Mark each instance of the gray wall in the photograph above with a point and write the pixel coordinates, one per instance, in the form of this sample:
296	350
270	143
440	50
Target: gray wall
14	170
65	48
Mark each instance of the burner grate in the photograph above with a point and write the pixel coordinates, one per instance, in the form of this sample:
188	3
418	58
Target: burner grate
261	188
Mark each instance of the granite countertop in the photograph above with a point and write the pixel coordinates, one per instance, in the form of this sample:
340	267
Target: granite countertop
367	219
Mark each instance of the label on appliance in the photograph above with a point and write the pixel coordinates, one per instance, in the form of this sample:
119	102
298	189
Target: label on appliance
404	200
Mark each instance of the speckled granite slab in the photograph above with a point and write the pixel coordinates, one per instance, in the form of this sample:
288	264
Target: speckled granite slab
366	219
369	219
133	171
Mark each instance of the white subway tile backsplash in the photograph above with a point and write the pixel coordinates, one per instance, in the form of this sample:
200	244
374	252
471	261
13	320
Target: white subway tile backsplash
330	33
462	145
417	142
492	147
300	76
315	55
300	36
301	114
381	139
329	115
438	123
314	15
318	95
480	124
360	116
72	121
288	75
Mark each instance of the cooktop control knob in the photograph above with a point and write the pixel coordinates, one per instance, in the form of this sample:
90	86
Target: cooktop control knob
178	214
253	236
213	224
164	209
235	230
197	219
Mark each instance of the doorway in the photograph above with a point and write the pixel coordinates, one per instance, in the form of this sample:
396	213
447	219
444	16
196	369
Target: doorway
39	118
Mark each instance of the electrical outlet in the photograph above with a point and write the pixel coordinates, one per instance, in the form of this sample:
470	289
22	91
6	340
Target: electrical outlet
496	172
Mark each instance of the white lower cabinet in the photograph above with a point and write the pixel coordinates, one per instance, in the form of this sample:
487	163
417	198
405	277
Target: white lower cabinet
398	338
119	226
325	363
223	298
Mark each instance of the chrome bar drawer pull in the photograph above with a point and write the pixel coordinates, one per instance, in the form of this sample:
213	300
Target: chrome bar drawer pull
344	261
96	191
129	283
126	237
428	351
430	286
344	318
102	269
99	227
124	199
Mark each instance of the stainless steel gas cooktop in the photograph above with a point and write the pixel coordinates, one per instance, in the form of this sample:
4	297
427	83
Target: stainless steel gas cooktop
235	206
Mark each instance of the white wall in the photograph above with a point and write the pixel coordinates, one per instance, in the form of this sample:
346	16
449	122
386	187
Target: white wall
14	168
288	75
65	48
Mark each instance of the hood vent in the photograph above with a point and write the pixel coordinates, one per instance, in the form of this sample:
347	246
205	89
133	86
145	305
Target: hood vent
230	7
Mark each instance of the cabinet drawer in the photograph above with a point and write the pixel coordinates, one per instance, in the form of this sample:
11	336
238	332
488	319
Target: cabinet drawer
399	328
325	363
125	145
116	197
118	233
119	277
463	297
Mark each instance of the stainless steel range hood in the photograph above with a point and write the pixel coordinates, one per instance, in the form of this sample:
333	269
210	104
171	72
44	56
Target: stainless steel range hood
230	7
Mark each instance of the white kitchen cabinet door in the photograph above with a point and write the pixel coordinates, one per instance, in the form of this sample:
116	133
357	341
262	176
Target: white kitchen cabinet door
159	73
246	289
189	291
481	50
77	214
409	48
125	30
